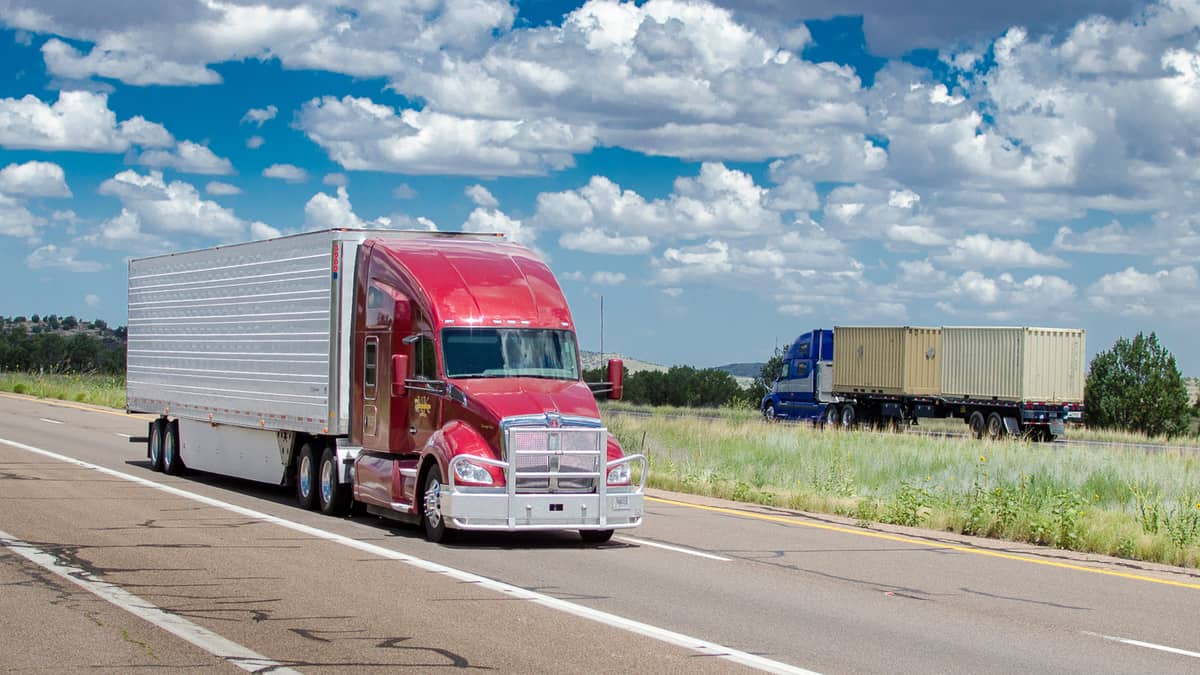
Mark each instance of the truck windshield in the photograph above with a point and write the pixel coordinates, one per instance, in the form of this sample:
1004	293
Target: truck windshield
510	352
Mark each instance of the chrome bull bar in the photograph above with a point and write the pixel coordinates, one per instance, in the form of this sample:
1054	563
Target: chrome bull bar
608	507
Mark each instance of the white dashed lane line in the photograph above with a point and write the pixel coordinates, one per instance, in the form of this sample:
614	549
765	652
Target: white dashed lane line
677	549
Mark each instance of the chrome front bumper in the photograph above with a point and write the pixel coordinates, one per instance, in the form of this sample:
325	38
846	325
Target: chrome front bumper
503	508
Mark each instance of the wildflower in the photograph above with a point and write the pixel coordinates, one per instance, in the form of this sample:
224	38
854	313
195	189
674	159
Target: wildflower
983	458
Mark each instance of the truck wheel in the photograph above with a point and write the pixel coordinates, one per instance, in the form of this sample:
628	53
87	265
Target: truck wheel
976	424
849	416
155	443
830	418
769	413
333	497
172	462
306	477
995	427
596	536
431	511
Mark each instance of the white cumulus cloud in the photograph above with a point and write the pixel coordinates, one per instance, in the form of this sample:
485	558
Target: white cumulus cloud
286	172
34	179
188	157
78	120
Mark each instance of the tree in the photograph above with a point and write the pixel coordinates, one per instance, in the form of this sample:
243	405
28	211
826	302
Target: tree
766	377
1136	386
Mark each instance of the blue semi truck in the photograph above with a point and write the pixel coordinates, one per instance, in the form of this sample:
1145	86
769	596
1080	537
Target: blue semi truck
1000	381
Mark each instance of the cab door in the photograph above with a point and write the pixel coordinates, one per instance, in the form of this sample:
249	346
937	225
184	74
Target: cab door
385	415
425	389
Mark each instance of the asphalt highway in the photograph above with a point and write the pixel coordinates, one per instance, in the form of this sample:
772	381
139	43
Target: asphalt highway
105	564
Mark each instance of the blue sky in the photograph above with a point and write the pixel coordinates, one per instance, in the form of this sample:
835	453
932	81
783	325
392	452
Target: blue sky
725	173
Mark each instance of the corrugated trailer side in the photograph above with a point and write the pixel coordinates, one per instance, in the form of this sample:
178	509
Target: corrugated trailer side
892	360
1053	365
247	334
1012	363
982	362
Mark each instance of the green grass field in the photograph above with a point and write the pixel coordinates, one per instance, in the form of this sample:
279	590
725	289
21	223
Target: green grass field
1110	500
106	390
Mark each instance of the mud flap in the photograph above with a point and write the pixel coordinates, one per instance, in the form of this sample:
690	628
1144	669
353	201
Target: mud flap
1012	426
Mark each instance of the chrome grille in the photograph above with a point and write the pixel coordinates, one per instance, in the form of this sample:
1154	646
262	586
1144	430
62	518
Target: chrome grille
556	459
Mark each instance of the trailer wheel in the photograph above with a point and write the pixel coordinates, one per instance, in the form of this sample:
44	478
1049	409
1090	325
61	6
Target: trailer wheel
306	477
849	416
333	496
995	427
431	512
172	461
155	443
976	423
596	536
830	418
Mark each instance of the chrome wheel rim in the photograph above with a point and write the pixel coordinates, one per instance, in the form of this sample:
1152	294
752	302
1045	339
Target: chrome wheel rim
169	439
327	481
433	509
305	476
155	447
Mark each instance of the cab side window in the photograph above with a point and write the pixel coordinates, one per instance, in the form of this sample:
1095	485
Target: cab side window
424	359
370	367
379	306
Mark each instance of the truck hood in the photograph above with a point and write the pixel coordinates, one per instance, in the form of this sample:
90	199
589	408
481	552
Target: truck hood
500	398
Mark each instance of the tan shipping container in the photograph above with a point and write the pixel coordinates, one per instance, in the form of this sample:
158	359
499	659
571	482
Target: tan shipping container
897	360
1013	363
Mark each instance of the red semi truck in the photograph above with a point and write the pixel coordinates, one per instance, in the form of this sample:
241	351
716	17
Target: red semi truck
432	378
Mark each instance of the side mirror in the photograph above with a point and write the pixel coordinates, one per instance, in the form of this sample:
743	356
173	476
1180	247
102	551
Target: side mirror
616	378
399	373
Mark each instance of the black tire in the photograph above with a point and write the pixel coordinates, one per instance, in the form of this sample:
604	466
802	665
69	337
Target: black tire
431	514
306	477
333	497
769	413
849	416
154	446
831	417
596	536
172	460
995	427
976	423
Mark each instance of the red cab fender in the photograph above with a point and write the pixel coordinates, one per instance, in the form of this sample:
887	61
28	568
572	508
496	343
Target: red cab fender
456	439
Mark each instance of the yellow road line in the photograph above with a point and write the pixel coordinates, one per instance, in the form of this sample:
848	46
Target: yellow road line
909	540
68	404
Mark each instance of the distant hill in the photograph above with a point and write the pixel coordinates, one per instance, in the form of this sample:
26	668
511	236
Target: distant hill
750	370
593	360
63	326
1193	387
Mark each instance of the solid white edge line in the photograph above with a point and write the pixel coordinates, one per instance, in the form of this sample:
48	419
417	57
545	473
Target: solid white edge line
661	634
123	435
1147	645
677	549
223	648
47	419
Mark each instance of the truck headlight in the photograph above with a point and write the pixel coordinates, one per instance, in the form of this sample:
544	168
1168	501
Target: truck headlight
471	472
619	475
